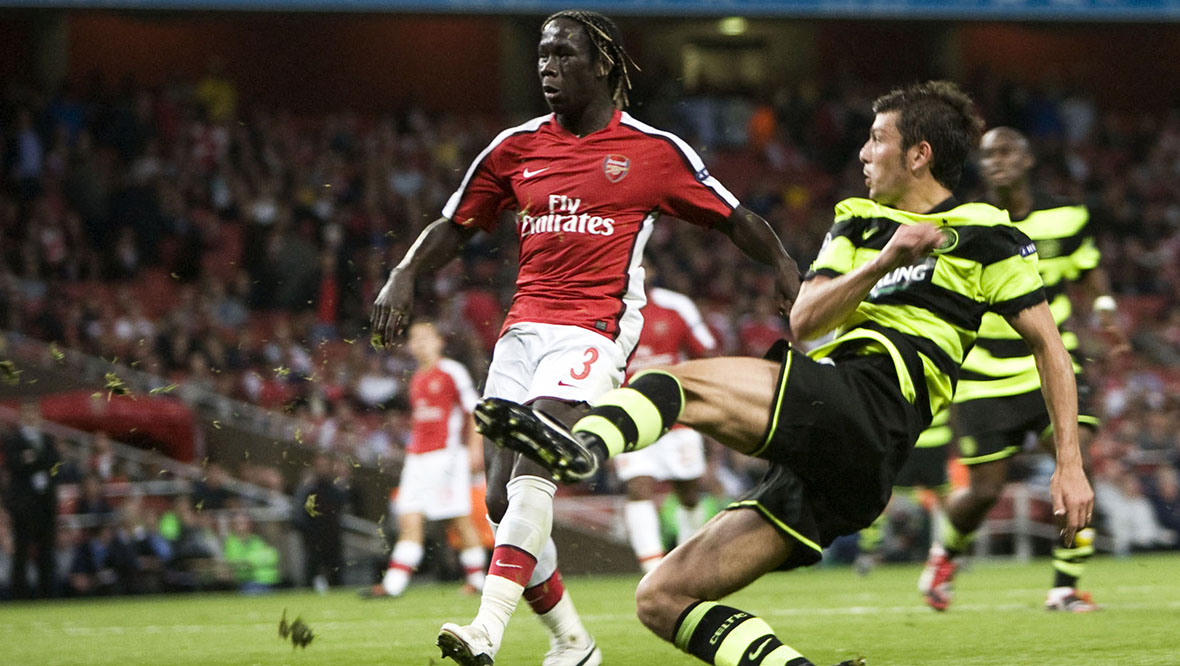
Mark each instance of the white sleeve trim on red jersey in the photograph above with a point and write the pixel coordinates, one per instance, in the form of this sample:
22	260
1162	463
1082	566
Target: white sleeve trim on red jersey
453	202
463	384
689	154
688	311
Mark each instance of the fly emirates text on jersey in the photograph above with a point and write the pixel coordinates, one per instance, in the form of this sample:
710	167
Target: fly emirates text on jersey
563	217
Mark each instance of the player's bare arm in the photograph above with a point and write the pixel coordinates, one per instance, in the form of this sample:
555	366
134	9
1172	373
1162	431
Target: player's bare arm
436	246
1072	497
824	303
754	236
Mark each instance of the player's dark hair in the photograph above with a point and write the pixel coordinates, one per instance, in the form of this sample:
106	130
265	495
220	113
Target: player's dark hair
608	43
941	114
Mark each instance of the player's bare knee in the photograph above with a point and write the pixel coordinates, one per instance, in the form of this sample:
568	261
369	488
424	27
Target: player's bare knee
986	491
655	604
988	481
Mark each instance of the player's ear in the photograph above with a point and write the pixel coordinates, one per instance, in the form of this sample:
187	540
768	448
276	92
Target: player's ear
919	156
1029	160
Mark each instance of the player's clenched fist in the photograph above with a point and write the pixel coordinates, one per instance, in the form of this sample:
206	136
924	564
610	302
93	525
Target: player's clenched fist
910	243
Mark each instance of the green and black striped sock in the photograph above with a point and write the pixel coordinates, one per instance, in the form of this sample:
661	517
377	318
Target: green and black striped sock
726	636
955	542
635	416
1068	563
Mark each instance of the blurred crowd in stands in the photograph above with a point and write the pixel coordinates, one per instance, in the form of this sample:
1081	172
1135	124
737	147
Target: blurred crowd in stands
235	249
120	530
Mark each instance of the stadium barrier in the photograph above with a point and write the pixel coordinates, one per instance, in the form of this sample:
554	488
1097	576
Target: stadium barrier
363	539
84	368
1021	515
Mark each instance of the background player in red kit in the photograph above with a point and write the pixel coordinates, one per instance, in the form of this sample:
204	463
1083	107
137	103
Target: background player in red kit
436	478
587	184
673	331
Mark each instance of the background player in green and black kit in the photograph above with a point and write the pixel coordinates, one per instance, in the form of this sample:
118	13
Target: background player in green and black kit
998	403
904	280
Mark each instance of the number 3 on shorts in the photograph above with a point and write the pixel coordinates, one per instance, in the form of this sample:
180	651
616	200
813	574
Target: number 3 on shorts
591	357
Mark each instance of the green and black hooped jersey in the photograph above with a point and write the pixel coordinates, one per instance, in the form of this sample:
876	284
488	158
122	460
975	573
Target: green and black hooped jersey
926	316
1001	364
939	433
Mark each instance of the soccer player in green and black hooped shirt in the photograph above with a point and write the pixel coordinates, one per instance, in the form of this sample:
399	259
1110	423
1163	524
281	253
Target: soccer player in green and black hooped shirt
998	400
904	281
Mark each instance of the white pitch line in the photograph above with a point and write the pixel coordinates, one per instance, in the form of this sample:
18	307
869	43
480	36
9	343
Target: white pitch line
850	611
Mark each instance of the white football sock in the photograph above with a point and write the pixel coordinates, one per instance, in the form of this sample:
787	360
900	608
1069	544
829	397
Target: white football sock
643	529
564	623
406	557
562	620
475	565
525	527
689	521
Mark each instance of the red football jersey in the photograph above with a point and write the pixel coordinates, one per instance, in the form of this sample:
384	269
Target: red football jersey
673	330
441	399
758	335
584	211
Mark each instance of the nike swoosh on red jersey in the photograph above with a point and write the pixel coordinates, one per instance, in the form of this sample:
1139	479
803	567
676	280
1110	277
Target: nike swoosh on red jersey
508	566
529	174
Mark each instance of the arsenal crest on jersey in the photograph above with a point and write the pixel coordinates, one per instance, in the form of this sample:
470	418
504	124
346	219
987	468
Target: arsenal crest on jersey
616	167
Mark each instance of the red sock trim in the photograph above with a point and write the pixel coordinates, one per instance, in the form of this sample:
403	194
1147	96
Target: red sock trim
652	557
512	563
542	598
401	567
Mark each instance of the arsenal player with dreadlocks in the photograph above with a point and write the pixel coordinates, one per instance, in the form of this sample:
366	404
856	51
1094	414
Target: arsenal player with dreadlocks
587	183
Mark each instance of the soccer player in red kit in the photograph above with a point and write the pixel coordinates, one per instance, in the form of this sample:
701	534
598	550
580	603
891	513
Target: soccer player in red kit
586	183
436	477
673	331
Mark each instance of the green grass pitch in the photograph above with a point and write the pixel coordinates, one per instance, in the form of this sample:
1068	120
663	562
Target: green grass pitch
828	614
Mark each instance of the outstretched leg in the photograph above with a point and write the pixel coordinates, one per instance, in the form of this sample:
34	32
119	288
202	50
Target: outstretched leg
727	399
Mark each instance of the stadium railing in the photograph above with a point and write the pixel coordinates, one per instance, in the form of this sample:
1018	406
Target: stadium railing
93	370
1024	525
363	539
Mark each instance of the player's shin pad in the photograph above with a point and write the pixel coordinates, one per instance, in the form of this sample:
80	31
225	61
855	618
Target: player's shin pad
636	416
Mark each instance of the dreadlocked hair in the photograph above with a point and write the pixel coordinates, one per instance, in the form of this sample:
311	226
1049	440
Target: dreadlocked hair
613	59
